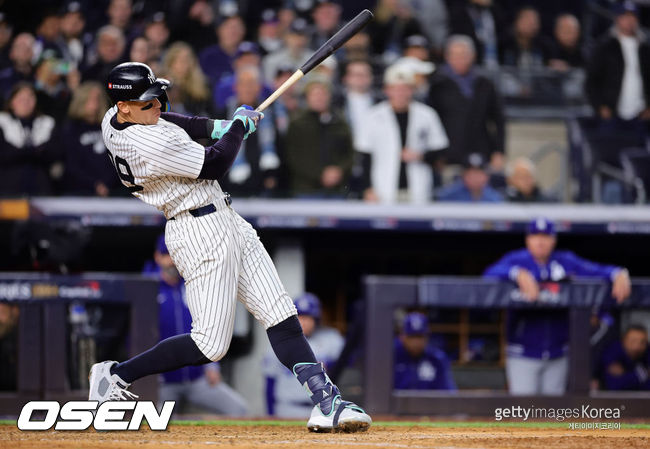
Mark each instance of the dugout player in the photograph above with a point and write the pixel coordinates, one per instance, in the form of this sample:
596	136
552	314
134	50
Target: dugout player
538	339
215	250
418	364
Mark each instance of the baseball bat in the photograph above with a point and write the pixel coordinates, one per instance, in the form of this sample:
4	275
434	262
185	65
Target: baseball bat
329	47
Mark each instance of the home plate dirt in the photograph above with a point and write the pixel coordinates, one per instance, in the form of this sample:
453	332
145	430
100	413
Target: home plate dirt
288	437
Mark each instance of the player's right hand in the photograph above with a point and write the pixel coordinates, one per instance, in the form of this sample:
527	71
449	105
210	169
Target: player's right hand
249	117
527	285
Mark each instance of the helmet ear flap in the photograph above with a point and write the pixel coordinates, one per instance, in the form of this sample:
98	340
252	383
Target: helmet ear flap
165	105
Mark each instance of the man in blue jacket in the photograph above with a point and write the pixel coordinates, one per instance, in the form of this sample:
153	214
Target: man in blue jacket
626	364
419	365
537	349
199	385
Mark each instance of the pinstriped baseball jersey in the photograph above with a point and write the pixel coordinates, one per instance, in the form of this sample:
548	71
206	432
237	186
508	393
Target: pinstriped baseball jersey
218	254
159	164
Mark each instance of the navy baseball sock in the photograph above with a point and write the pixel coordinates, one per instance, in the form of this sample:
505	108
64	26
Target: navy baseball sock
291	348
170	354
289	343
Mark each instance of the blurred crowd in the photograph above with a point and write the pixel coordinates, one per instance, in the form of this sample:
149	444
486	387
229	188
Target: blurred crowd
406	111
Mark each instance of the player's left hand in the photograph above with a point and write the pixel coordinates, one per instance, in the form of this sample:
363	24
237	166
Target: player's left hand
220	128
213	376
249	117
621	287
409	155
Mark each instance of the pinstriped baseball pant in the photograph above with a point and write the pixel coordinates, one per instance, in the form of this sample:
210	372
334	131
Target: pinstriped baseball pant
222	260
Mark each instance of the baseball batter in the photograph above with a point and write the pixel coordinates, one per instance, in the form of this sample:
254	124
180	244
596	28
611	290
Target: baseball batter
216	251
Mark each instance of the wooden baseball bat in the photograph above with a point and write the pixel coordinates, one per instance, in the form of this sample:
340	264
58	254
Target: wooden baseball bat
329	47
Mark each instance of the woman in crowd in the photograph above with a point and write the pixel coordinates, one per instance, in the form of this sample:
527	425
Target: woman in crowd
189	93
28	150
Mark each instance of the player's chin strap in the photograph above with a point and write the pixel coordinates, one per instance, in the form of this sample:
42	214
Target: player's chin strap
323	392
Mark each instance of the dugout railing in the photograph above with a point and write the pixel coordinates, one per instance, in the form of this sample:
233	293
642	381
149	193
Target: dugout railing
49	310
385	294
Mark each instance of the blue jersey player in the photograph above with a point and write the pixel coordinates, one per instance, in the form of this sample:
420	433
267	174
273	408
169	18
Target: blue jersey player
418	364
537	349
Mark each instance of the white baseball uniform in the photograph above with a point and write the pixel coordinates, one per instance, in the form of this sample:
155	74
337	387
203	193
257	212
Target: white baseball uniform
219	254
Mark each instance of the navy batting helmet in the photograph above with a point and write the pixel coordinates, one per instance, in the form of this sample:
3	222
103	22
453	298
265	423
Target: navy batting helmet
308	304
134	81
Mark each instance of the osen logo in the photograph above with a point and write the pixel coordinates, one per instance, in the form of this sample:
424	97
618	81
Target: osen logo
78	415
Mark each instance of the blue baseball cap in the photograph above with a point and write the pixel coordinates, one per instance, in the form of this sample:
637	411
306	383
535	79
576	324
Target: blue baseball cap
541	225
247	47
308	304
415	323
161	246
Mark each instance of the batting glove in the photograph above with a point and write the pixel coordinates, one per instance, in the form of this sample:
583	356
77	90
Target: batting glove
220	128
248	117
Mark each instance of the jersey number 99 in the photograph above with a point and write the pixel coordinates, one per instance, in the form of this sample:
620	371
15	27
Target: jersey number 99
125	173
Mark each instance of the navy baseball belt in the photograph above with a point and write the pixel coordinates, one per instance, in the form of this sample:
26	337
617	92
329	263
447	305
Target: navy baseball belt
208	208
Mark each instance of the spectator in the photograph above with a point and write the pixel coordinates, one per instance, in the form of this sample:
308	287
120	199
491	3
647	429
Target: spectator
421	71
538	339
247	55
625	365
288	103
327	21
481	21
76	42
525	48
392	24
54	81
216	60
473	185
192	21
433	19
358	95
189	93
294	54
139	51
48	36
110	48
358	47
119	14
566	49
618	74
284	397
28	149
418	364
88	170
268	33
21	55
255	169
399	139
319	148
522	183
469	105
199	385
417	46
157	33
6	31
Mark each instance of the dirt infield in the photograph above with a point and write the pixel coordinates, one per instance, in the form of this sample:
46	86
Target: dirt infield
292	436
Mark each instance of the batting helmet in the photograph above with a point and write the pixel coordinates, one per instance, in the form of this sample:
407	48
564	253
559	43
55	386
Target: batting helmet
134	81
308	304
